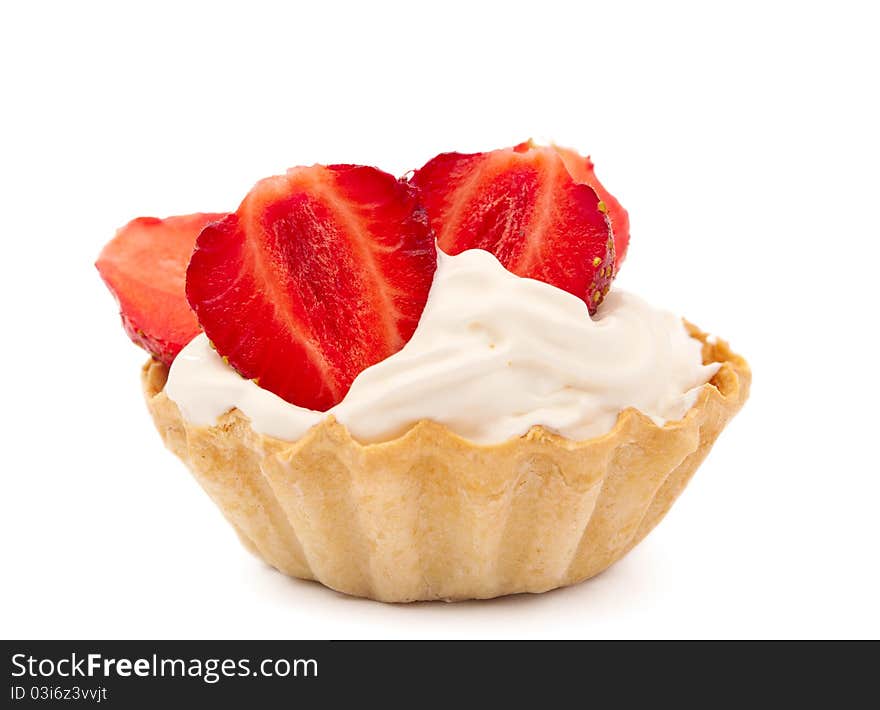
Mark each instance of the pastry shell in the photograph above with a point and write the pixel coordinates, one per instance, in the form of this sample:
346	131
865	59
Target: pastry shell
430	515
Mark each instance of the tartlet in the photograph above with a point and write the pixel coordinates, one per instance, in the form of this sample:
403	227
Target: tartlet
343	291
430	515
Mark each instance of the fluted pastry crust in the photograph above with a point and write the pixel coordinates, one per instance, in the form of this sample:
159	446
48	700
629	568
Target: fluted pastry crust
430	515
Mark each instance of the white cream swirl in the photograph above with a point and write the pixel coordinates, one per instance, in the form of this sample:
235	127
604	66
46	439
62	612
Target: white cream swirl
493	355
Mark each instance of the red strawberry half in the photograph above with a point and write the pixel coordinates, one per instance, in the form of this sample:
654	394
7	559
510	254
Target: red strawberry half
522	205
583	170
144	266
320	273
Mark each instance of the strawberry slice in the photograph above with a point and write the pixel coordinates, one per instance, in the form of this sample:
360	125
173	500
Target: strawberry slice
522	205
583	170
320	273
144	266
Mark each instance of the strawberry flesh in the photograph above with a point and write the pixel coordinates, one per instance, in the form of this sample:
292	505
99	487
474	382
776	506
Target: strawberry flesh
320	273
144	266
522	205
582	170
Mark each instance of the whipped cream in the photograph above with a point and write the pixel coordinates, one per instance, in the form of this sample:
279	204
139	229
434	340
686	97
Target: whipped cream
493	355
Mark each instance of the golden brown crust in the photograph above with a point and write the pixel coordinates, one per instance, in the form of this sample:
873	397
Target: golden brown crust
430	515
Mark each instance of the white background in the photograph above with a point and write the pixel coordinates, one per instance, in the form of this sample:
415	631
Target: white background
743	141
